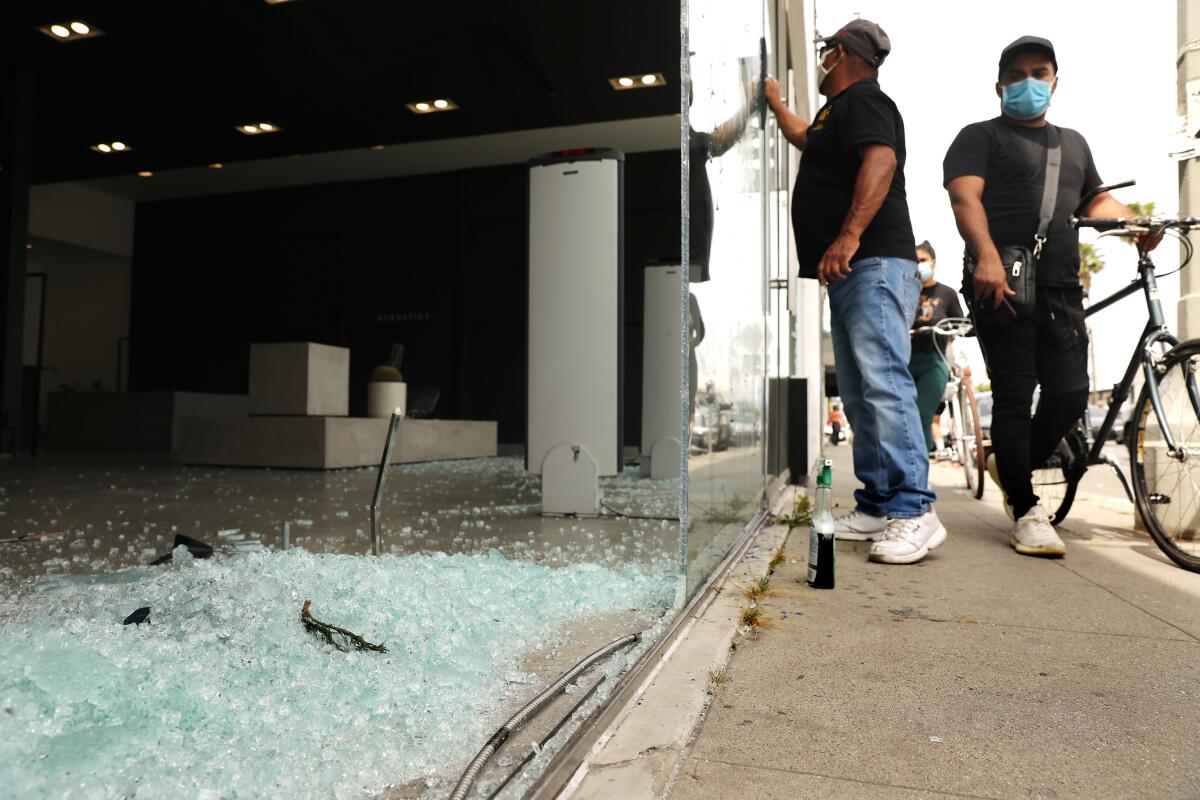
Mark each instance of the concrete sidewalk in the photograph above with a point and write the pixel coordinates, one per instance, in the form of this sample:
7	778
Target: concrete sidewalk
976	673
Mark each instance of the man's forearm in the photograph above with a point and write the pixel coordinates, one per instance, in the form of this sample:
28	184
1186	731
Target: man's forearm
793	127
972	223
870	189
1105	205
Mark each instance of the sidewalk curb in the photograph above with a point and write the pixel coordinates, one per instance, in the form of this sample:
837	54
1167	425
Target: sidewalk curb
639	756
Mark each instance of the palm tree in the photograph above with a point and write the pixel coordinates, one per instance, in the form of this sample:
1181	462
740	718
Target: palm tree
1090	263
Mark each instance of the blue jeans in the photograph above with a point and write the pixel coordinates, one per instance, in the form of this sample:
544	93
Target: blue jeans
871	313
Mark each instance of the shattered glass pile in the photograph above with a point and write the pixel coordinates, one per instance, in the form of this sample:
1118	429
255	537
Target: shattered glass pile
224	694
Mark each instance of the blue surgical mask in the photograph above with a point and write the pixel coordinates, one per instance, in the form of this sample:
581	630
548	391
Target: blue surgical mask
1027	99
924	270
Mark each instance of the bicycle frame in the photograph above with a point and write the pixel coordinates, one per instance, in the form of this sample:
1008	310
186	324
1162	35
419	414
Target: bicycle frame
1155	333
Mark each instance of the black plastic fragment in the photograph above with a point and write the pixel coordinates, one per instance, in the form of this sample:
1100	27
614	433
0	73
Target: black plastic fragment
138	617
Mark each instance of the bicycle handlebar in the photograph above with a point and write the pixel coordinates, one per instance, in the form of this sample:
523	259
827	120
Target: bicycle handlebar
950	326
1137	224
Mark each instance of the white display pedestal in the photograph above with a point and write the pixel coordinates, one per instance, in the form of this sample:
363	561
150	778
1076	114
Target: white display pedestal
384	397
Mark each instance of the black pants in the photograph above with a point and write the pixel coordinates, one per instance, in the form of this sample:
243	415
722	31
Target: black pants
1047	346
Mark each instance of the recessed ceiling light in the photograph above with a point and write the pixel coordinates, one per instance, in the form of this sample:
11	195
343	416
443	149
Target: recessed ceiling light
645	80
376	147
432	106
254	129
28	246
70	31
145	174
216	165
112	147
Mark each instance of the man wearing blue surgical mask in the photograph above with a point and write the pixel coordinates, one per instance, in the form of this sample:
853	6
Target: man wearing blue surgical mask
996	174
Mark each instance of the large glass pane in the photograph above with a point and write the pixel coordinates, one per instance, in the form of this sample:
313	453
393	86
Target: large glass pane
366	244
728	235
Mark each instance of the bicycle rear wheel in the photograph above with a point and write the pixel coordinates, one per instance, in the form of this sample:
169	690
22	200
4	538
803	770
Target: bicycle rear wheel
970	443
1167	488
1055	481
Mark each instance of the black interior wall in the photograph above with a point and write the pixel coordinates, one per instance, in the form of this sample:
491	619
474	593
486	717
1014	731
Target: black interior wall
436	262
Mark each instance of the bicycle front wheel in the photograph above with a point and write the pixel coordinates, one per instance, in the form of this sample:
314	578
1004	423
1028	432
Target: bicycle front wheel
970	442
1166	486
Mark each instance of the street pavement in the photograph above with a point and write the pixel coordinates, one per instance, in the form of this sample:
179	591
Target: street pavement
976	673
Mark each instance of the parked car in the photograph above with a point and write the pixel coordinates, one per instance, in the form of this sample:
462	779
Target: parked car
1096	416
713	430
984	401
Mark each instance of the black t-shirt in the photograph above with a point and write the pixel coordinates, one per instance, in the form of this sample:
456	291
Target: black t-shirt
700	206
1011	159
936	303
860	115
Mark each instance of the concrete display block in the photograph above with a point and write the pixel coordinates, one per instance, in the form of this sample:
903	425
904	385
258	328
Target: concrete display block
330	442
132	422
303	379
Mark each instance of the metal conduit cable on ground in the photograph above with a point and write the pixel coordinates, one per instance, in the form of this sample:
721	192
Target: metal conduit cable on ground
565	763
546	739
535	705
385	459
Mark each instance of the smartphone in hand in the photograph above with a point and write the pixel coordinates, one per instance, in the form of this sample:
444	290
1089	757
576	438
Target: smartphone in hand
1005	313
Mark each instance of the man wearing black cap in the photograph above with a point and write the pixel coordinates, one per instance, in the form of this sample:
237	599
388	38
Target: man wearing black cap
996	174
853	233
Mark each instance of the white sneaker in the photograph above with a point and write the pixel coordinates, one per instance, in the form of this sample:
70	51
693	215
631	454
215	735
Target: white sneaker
907	541
1033	535
859	526
995	473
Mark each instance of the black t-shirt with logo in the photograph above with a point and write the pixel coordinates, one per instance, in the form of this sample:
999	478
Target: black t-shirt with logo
936	303
1011	159
860	115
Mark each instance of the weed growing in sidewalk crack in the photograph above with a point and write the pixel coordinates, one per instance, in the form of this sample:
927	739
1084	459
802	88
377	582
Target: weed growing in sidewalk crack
717	677
776	560
801	514
753	619
758	589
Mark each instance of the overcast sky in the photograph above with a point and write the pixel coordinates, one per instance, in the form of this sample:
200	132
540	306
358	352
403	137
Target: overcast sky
1117	86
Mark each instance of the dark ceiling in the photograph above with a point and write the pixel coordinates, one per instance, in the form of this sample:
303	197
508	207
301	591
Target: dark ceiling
172	78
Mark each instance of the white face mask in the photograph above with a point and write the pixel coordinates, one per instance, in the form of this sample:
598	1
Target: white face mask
925	270
823	71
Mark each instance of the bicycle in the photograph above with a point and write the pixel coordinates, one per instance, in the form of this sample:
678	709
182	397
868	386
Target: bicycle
965	429
1164	451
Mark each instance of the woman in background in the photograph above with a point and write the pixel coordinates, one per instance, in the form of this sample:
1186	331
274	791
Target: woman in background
930	370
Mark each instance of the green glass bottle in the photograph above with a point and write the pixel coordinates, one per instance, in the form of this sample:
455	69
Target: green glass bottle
820	536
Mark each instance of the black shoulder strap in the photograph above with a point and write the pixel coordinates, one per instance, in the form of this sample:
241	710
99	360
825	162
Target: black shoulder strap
1050	189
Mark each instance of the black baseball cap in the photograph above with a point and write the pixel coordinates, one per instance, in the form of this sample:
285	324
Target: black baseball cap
863	38
1027	44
